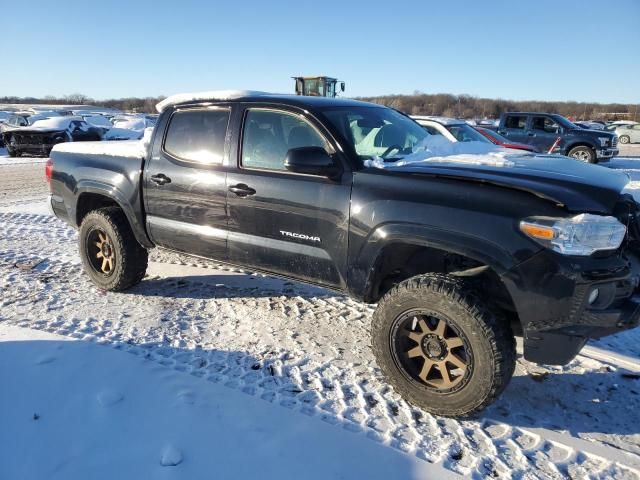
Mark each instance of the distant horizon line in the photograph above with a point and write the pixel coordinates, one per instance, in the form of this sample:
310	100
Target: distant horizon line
53	98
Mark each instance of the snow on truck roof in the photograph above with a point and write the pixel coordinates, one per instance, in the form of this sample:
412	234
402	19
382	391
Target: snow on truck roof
254	94
210	95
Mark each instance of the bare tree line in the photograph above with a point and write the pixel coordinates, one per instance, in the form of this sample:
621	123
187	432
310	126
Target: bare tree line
467	106
457	106
131	104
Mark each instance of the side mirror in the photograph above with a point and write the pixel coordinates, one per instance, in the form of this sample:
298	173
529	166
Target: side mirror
342	86
311	161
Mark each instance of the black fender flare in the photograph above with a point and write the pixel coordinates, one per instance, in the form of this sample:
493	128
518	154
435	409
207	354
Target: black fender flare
135	218
581	143
364	269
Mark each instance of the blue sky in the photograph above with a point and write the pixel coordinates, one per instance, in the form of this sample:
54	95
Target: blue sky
526	49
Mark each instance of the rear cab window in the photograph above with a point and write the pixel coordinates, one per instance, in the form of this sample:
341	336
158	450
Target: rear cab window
198	135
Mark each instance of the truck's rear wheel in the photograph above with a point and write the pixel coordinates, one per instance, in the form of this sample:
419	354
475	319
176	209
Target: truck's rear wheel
624	139
584	154
110	253
441	347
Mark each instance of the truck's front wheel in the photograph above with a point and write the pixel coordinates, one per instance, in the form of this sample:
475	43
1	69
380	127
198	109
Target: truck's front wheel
110	253
584	154
441	347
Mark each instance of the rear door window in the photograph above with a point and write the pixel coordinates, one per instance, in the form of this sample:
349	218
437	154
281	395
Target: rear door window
198	135
518	122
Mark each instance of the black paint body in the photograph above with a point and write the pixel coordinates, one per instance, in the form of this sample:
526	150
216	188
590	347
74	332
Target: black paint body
338	232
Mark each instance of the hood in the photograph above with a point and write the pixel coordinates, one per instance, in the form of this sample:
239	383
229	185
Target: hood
578	186
591	132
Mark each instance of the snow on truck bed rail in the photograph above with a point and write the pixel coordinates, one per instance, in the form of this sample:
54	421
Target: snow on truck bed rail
122	148
210	95
132	149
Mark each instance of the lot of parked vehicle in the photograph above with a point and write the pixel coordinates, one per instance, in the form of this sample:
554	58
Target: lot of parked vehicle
34	131
41	135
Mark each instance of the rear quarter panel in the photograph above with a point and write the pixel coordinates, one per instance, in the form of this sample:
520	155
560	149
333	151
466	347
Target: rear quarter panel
96	167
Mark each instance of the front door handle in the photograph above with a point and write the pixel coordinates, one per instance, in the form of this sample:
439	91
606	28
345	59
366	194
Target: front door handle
242	190
160	179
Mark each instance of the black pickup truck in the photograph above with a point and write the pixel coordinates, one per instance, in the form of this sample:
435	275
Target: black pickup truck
550	131
460	253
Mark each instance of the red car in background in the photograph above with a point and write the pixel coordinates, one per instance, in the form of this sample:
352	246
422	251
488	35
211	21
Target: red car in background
497	139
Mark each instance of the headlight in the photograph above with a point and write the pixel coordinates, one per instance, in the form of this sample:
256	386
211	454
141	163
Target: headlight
579	235
604	141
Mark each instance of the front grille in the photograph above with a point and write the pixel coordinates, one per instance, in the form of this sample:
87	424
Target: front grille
31	139
614	141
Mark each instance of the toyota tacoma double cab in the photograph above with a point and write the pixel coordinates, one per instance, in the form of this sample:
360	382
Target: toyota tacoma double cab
459	253
553	133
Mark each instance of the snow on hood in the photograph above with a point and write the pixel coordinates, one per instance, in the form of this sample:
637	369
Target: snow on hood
53	123
211	95
117	133
132	123
437	149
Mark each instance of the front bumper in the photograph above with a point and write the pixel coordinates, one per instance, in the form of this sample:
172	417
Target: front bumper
554	297
606	153
33	148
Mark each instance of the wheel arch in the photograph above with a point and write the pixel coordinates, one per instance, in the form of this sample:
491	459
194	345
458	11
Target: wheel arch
580	143
92	195
401	256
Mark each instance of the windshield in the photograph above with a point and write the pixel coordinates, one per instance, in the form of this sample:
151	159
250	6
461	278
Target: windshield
564	122
376	131
495	135
466	133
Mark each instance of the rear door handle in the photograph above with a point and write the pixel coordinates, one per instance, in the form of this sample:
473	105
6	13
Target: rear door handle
160	179
531	134
242	190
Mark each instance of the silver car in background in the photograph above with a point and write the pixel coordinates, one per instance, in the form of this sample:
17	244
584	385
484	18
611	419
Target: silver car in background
628	133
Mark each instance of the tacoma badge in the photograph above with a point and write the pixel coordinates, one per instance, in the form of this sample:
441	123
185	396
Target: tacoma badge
301	236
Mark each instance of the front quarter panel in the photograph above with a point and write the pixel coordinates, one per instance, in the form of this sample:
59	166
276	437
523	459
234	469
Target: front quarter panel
476	220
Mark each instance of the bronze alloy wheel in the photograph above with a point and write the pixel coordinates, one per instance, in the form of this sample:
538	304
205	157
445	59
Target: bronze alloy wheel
430	351
100	252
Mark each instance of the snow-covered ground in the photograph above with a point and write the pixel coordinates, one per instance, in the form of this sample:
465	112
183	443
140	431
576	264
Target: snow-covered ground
73	409
237	375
